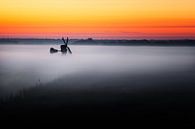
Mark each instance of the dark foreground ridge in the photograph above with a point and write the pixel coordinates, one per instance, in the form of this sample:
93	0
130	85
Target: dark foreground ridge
163	101
90	41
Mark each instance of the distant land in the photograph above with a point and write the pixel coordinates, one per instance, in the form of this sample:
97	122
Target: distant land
90	41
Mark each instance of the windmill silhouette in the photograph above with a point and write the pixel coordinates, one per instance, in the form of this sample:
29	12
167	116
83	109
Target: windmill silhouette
64	48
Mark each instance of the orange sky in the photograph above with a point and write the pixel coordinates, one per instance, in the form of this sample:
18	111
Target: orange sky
132	19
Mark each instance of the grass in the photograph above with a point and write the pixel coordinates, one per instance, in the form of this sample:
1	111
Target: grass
143	99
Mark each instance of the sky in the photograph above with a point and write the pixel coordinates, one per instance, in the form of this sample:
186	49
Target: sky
102	19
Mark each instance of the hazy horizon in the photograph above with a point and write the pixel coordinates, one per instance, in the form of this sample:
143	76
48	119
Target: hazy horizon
86	38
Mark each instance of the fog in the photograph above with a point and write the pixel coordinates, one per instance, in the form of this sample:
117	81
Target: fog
25	66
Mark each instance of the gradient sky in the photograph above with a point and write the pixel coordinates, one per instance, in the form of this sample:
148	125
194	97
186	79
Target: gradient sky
111	19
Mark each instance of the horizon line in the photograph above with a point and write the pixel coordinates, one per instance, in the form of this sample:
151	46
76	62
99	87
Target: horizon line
38	38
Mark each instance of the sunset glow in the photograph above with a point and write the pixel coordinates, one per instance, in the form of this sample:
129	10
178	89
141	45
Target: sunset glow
104	19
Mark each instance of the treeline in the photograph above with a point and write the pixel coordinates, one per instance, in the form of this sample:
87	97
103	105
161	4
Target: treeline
91	41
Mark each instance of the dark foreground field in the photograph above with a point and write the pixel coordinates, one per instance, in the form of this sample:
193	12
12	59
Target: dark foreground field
149	98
